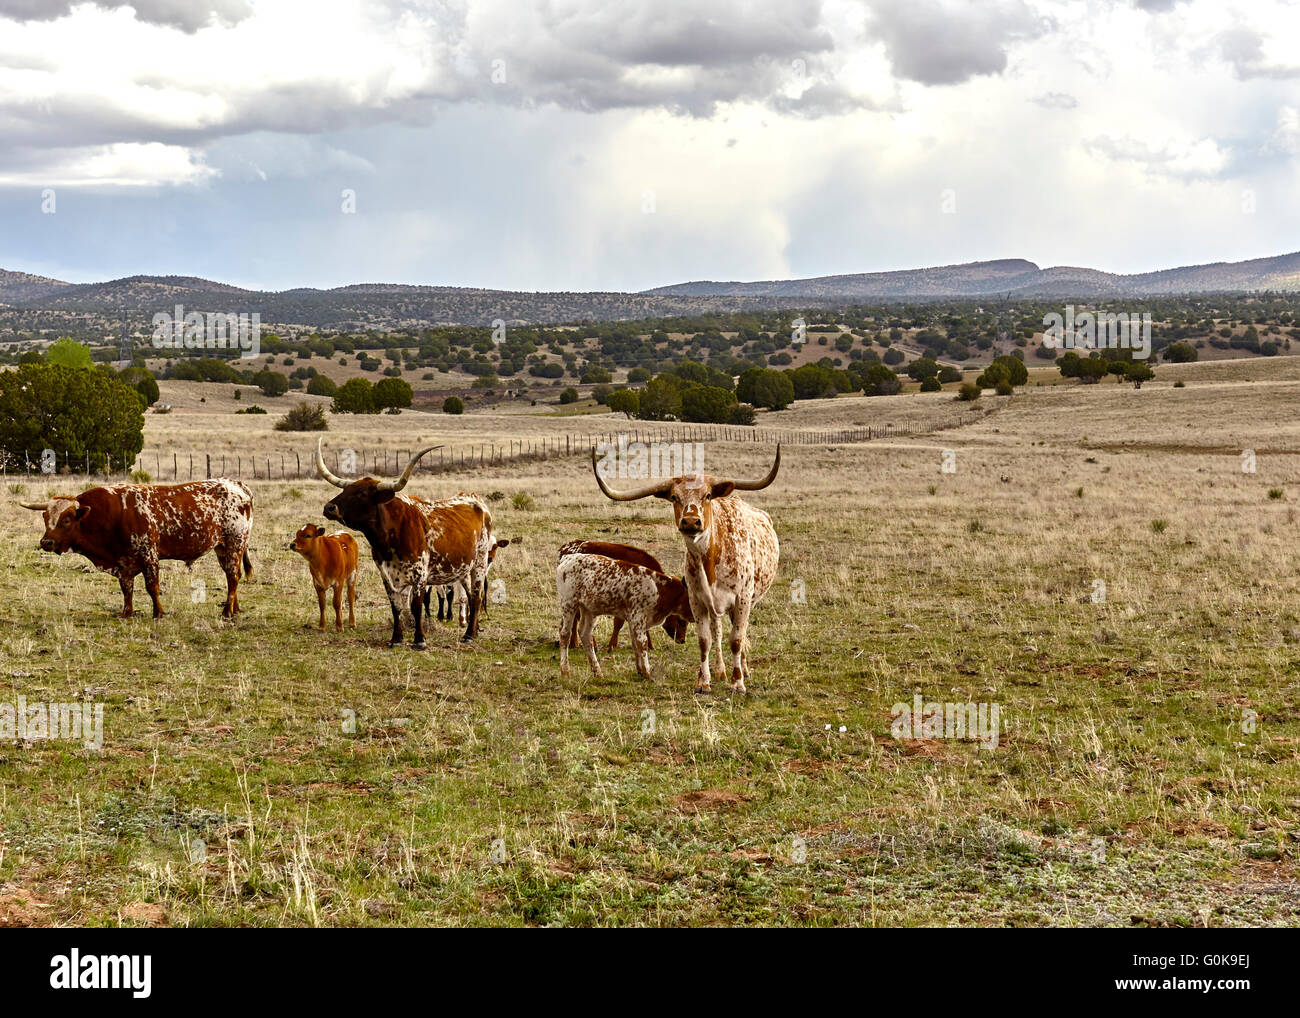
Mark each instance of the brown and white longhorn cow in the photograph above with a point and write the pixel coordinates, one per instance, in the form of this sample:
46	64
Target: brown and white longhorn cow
731	557
414	542
127	529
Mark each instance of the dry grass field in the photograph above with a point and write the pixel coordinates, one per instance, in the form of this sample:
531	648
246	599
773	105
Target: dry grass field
1147	770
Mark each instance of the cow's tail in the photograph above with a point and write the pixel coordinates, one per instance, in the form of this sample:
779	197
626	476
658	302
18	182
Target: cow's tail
248	565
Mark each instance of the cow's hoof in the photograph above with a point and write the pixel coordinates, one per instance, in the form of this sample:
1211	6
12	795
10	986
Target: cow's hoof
703	691
467	639
419	646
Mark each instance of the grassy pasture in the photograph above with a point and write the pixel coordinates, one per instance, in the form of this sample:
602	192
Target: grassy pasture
1129	785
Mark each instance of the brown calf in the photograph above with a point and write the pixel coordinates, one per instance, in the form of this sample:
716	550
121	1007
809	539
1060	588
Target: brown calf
592	585
673	625
333	562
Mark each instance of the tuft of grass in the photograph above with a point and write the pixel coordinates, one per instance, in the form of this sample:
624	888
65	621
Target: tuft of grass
1159	526
522	501
1275	494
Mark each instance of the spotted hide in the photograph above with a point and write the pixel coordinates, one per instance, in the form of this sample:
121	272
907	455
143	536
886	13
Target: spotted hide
674	625
731	557
589	586
415	543
128	529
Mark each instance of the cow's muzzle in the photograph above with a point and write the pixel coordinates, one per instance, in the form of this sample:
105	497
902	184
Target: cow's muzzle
47	544
331	511
690	526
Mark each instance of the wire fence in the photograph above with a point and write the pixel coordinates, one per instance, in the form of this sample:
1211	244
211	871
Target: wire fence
300	464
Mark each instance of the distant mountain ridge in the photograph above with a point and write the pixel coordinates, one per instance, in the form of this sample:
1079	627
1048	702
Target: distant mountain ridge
1015	276
24	286
27	299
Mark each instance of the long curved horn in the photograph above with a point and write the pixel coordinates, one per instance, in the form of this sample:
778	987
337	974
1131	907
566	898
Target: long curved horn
771	476
627	496
325	472
400	483
38	506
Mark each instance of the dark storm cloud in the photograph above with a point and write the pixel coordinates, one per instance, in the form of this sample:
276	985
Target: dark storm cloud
938	42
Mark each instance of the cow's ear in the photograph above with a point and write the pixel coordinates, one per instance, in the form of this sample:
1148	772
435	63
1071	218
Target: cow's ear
502	544
722	489
80	514
317	531
666	495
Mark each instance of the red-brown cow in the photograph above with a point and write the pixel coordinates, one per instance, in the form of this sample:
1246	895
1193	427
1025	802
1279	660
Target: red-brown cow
674	625
415	543
592	585
127	529
332	559
731	556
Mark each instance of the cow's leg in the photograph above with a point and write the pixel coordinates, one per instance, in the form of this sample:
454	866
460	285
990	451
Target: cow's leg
127	583
320	600
585	621
739	629
613	637
151	585
641	643
417	603
395	603
338	606
352	599
568	625
231	561
472	596
704	632
442	601
716	624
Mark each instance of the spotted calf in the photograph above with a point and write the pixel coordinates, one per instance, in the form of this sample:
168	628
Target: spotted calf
674	626
589	586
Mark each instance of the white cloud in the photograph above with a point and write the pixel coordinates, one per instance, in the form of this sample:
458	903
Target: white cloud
117	165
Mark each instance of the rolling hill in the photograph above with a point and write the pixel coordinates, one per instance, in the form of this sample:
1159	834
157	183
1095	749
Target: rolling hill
28	301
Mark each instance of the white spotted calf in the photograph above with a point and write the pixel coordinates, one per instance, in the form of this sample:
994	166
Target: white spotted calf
589	586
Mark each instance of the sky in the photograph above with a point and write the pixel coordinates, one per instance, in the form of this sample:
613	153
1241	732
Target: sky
626	144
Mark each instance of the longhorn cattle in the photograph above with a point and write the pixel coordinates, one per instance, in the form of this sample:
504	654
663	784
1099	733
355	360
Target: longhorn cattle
332	559
731	557
128	529
674	625
589	586
414	542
